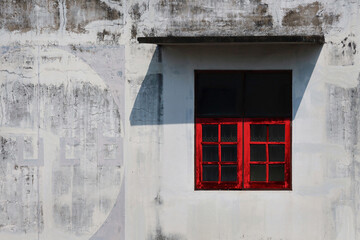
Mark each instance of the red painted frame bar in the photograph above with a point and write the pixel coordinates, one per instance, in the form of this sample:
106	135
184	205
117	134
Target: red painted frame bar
286	184
219	185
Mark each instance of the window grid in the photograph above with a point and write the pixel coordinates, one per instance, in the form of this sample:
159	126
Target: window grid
267	184
219	184
243	161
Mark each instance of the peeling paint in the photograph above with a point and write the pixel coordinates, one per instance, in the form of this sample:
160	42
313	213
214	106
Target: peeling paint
303	15
81	12
307	15
24	16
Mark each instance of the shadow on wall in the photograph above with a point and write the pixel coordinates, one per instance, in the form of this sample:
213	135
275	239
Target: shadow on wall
179	64
148	108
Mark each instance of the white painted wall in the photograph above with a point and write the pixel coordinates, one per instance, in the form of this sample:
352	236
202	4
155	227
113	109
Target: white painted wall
322	204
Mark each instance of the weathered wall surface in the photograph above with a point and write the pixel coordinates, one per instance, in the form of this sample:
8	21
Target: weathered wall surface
61	134
244	17
97	134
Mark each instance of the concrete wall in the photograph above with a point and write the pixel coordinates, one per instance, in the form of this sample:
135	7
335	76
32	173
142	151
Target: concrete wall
97	133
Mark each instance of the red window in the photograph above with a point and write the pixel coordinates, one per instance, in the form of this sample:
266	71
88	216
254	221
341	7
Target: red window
267	148
219	158
243	142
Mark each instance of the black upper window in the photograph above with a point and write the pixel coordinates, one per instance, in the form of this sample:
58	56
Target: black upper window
243	94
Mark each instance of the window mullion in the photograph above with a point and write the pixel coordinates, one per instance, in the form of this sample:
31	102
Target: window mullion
241	144
219	151
267	153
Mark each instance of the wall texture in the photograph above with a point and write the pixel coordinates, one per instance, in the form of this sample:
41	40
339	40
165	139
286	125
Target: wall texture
97	134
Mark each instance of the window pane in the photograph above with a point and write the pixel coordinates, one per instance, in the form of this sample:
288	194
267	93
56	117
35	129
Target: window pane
276	172
218	94
210	173
276	152
229	133
258	132
229	173
210	133
228	153
257	172
258	152
268	94
277	133
210	153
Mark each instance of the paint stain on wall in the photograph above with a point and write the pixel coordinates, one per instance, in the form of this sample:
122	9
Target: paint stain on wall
107	37
46	15
160	235
174	7
260	15
344	115
211	17
16	185
308	15
20	111
343	126
136	11
81	12
24	16
342	53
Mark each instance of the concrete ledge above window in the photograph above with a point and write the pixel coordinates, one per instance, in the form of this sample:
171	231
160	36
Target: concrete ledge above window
298	39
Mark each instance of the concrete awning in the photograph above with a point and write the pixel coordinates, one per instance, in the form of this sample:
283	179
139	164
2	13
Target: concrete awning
184	40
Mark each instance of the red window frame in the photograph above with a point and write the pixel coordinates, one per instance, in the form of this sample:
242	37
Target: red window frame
200	184
286	184
243	155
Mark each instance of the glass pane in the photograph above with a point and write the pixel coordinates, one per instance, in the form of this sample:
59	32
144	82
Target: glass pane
228	153
258	132
277	133
276	152
229	133
257	172
210	173
218	94
210	133
258	152
276	172
229	173
210	153
268	94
